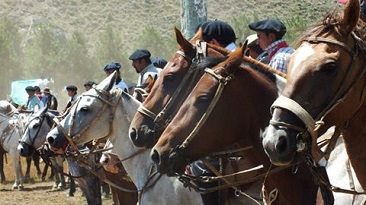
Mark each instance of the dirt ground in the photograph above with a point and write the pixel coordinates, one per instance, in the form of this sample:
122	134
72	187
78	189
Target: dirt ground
37	192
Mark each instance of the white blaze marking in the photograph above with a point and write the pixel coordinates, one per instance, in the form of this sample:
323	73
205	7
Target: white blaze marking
302	54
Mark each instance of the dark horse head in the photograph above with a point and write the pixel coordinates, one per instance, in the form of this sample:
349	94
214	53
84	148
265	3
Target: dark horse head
173	83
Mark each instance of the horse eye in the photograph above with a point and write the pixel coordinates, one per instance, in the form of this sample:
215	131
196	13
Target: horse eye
36	125
84	109
203	98
169	77
329	67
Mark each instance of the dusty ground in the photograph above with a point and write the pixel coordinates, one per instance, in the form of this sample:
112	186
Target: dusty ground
37	192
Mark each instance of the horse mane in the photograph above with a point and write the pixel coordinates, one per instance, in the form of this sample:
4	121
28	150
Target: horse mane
331	22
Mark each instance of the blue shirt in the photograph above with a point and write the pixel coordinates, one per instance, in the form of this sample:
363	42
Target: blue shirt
34	102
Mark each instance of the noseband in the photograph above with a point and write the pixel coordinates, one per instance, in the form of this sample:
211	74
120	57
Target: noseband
108	99
33	139
161	119
312	125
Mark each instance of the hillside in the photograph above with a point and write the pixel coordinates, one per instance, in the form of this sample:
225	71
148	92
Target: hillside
130	19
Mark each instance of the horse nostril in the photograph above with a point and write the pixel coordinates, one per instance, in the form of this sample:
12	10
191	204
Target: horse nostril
155	156
282	145
50	140
133	134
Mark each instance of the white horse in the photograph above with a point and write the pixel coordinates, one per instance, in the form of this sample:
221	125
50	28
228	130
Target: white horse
342	175
34	138
9	137
103	112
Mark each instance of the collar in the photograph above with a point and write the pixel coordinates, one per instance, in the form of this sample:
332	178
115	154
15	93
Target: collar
271	47
231	46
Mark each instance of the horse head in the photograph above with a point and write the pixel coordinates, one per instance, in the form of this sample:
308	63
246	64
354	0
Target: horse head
198	128
34	135
325	87
173	83
88	117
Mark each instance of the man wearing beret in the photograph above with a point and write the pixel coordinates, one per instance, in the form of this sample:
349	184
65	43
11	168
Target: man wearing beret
51	100
120	83
219	33
143	66
33	102
270	33
88	85
72	93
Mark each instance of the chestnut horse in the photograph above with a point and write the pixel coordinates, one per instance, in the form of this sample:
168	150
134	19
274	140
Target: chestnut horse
155	111
239	113
326	87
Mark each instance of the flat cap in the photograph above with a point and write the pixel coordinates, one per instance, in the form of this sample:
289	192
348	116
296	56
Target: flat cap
219	30
159	62
71	87
46	90
112	66
89	83
269	25
30	88
140	53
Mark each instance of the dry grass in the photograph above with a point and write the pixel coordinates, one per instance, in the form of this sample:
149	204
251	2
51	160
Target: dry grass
37	191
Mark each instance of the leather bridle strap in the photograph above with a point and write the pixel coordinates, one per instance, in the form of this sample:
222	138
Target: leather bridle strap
310	124
222	82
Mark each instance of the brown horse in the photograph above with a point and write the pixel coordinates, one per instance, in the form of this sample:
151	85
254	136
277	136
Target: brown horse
326	86
238	115
155	112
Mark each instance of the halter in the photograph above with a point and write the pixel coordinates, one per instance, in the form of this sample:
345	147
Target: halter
312	125
107	100
32	139
161	119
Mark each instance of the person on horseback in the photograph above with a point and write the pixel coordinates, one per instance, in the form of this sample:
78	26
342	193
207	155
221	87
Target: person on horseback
120	83
33	101
72	93
88	85
51	100
218	33
142	63
276	50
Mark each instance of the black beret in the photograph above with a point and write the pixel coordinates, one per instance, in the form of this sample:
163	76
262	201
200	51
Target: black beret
71	87
159	62
219	30
114	66
89	83
30	88
140	53
269	25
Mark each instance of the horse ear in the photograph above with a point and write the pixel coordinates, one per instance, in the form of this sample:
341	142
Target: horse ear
108	82
235	58
44	109
351	14
184	44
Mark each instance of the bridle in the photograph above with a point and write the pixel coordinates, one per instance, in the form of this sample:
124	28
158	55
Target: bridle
312	125
33	139
315	155
111	100
108	99
162	119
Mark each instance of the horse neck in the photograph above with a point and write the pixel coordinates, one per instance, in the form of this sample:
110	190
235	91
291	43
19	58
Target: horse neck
138	166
